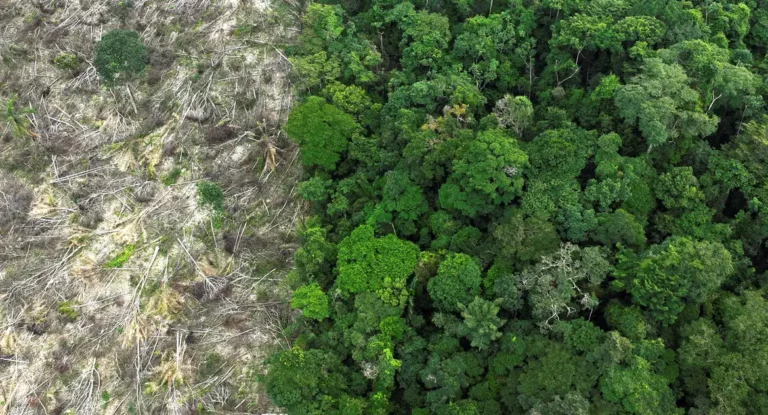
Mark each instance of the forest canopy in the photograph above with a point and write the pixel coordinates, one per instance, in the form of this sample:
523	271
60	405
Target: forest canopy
530	207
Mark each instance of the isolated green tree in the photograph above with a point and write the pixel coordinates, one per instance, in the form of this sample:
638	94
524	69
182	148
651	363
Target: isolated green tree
515	113
120	56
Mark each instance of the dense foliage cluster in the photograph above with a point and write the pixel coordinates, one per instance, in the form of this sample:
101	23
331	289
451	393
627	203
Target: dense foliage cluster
531	207
120	55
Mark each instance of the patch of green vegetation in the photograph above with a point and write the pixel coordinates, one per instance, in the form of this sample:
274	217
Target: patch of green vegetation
120	56
17	119
172	176
121	258
67	61
217	221
210	194
68	311
31	17
267	264
105	397
166	244
151	288
242	30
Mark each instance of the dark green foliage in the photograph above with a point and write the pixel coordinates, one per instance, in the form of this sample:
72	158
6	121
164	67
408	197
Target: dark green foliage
638	389
663	104
210	194
501	284
489	174
525	239
402	202
172	176
120	56
16	120
678	270
619	227
521	207
457	282
629	321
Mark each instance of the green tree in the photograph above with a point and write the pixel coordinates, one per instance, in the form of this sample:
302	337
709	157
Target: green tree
638	388
403	201
750	147
678	188
425	37
380	265
316	256
120	56
489	174
501	284
629	321
662	104
457	283
525	239
329	49
551	370
312	301
307	382
515	113
481	322
323	132
719	80
497	48
667	275
560	154
619	227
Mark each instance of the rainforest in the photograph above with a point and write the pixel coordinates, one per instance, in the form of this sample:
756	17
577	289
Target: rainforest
552	207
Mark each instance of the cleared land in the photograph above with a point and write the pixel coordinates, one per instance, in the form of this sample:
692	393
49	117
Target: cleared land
121	291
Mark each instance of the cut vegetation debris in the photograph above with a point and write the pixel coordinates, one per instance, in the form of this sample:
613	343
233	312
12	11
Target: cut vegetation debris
147	204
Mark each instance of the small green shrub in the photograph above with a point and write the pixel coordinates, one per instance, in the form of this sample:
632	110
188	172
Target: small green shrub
242	30
210	194
120	55
105	397
67	61
172	176
68	311
122	257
